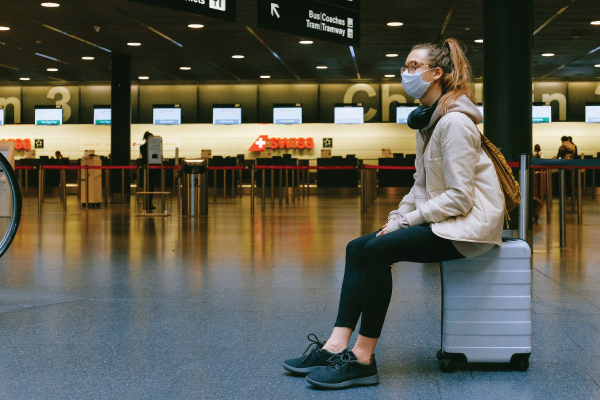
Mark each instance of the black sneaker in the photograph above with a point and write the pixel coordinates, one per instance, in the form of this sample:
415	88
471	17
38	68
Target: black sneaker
344	371
310	362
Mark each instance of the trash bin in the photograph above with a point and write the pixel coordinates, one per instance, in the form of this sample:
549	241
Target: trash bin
195	187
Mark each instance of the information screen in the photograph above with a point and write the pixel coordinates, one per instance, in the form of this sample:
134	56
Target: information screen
402	114
1	116
592	114
227	116
102	116
287	115
166	116
541	114
349	115
48	116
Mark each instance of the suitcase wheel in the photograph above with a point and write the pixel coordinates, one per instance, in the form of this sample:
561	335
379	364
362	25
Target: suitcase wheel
447	365
440	355
520	363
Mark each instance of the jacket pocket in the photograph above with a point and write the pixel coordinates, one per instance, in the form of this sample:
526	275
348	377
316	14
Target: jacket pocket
478	205
434	176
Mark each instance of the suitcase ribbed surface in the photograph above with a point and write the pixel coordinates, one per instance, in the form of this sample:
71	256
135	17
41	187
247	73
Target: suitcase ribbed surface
487	304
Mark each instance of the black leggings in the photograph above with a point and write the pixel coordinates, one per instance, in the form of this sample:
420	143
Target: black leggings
367	286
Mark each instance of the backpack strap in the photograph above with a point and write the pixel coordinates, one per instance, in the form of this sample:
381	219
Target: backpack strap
429	133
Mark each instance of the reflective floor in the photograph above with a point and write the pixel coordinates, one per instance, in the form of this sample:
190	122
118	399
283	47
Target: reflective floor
101	304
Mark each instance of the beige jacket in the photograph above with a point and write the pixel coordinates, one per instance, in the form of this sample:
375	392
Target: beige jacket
460	196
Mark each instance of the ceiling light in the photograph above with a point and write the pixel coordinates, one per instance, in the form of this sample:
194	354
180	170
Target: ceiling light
50	5
391	55
265	76
237	56
467	29
134	44
4	28
478	40
319	66
185	68
548	55
595	22
195	26
597	65
143	78
25	79
395	24
306	42
87	58
390	76
52	70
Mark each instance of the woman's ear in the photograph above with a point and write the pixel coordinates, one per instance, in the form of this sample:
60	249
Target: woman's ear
437	73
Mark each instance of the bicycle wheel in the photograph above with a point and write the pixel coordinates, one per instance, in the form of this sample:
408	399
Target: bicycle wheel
10	204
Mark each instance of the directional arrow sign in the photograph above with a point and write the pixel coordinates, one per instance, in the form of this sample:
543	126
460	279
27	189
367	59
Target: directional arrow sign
274	8
310	18
222	9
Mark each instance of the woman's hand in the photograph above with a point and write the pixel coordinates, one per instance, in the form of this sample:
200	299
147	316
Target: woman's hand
383	230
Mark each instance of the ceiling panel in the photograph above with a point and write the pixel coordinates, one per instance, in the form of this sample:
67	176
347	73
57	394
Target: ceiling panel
168	44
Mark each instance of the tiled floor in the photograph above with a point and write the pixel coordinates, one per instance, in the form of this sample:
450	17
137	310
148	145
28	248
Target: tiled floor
100	304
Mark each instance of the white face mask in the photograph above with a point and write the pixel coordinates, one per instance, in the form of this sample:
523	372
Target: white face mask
414	85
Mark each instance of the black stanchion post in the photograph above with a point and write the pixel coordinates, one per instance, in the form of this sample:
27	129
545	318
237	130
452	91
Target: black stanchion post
262	205
252	191
563	239
272	189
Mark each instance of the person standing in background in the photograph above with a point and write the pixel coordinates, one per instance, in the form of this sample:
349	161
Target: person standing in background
570	138
537	152
58	155
567	149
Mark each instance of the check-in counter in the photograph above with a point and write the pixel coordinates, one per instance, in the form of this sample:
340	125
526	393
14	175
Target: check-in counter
396	178
337	179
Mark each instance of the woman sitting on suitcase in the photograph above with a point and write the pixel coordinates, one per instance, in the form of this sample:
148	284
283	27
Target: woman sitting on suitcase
455	209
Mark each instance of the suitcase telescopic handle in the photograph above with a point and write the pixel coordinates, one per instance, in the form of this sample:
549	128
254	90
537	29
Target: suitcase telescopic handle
524	183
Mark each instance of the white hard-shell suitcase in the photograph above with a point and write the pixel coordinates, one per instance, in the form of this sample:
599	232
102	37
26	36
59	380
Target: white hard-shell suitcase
486	308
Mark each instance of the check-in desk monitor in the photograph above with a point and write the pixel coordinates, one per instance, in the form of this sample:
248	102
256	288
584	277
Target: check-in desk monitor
287	114
227	115
102	115
2	113
48	116
349	115
402	113
166	115
592	113
541	114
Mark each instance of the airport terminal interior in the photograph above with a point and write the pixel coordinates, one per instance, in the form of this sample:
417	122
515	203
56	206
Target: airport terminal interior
272	145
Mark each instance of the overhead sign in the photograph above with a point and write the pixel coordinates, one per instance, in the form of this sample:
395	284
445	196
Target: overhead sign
222	9
310	18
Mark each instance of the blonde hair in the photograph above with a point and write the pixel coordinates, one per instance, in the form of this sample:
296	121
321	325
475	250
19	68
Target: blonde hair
456	79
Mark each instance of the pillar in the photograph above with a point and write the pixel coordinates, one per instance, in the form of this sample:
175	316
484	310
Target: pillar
507	78
120	136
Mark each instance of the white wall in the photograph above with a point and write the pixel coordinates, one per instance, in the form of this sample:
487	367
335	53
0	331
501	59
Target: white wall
366	141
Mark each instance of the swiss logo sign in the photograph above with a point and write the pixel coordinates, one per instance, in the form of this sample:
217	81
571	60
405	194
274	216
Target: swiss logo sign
263	142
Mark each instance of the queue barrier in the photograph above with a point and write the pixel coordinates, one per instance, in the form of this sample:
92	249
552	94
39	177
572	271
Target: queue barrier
299	174
541	178
64	168
22	168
